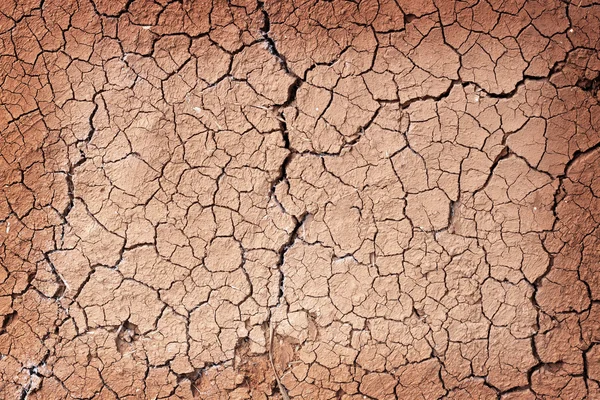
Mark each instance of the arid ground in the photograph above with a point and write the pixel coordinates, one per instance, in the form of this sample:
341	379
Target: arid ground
374	199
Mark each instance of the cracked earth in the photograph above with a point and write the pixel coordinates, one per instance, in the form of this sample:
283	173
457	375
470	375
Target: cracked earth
370	199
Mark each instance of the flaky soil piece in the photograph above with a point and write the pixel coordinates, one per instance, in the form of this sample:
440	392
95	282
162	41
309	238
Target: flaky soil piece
381	199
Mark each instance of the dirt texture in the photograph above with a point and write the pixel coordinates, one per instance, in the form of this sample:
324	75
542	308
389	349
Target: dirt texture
374	199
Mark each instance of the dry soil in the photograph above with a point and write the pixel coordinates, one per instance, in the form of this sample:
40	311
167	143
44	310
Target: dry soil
403	195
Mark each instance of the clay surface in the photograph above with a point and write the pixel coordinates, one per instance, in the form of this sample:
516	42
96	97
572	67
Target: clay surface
371	199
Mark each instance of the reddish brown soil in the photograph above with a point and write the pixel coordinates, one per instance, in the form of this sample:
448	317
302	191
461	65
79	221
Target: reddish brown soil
406	193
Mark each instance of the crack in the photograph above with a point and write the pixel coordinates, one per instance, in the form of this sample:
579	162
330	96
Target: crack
283	250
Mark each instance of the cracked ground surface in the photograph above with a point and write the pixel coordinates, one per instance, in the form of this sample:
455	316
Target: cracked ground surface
361	199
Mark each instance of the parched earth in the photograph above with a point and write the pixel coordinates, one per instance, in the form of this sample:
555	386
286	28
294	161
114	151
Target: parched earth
300	199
